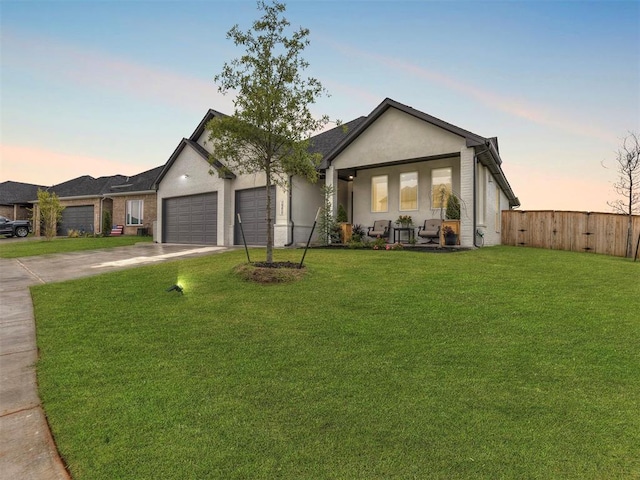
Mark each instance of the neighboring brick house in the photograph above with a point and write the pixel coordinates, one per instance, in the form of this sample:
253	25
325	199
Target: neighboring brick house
134	203
131	201
16	199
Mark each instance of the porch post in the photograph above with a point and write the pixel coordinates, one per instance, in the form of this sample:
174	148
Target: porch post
466	197
281	220
331	180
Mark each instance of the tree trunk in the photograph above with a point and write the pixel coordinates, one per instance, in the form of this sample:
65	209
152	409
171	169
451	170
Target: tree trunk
630	237
269	219
630	222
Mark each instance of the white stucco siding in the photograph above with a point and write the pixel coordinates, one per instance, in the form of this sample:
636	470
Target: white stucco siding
189	175
203	140
306	198
491	200
396	135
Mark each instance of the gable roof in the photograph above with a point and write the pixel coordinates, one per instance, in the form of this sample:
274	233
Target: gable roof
210	115
192	142
486	148
200	150
332	142
387	103
13	193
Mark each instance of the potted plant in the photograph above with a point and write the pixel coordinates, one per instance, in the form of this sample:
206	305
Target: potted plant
450	236
357	233
341	216
453	207
404	221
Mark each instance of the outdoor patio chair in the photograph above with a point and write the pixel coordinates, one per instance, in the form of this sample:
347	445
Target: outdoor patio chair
381	228
430	230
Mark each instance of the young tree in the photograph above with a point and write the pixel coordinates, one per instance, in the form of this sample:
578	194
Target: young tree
50	212
327	225
628	184
271	125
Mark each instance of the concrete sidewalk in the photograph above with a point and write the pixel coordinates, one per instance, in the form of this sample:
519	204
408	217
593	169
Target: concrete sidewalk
27	450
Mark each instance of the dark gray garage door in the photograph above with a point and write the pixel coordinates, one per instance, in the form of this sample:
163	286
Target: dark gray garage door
76	218
191	219
251	205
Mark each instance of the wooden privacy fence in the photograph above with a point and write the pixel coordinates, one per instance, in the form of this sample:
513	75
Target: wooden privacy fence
604	233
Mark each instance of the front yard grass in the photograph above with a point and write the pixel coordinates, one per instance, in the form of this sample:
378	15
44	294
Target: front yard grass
498	363
30	247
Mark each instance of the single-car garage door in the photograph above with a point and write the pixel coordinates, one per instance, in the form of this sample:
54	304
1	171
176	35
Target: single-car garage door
191	219
76	218
251	204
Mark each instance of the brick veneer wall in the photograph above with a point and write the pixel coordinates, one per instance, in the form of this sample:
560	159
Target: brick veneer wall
21	212
149	214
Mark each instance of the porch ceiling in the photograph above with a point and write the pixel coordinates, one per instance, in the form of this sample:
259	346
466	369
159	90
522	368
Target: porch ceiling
344	173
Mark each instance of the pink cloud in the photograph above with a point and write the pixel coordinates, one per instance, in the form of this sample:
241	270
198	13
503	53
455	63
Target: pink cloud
353	92
101	71
513	106
44	167
538	189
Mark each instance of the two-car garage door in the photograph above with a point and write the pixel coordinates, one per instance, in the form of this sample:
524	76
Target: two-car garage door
251	204
194	218
191	219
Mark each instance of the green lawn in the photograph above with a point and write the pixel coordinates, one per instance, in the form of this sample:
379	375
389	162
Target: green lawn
503	362
30	247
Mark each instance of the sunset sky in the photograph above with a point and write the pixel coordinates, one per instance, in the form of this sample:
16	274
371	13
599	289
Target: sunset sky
111	87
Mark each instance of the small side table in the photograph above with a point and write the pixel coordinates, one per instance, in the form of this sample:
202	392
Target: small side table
397	233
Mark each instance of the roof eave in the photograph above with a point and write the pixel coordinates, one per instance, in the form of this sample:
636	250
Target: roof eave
225	173
491	159
129	193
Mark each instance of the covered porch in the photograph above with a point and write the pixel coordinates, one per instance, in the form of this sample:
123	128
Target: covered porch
396	190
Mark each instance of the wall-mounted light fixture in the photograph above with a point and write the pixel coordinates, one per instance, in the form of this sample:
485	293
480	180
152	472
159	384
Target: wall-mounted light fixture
185	176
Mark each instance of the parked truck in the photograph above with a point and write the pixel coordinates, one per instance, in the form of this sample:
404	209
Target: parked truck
14	228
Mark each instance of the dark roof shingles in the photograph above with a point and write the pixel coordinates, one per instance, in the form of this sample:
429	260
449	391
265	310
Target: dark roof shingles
325	142
13	193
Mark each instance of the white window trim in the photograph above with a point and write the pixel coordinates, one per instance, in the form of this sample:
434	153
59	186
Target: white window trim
128	213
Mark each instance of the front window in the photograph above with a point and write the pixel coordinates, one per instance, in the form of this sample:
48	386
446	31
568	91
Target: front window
134	212
441	187
409	191
379	194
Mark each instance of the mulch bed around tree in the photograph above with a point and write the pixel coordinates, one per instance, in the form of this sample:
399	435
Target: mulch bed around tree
269	273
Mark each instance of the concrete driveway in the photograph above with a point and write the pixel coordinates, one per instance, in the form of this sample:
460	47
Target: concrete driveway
27	450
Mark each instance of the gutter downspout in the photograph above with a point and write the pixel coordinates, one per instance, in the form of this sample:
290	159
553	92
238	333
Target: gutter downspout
289	208
475	199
